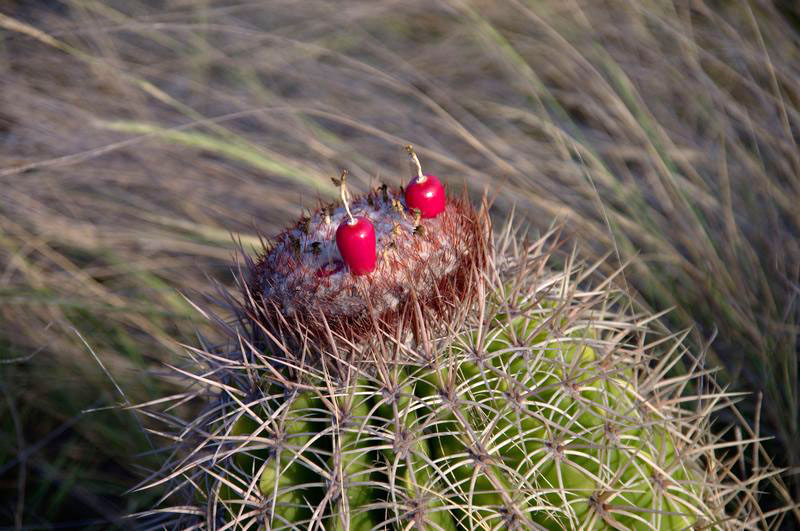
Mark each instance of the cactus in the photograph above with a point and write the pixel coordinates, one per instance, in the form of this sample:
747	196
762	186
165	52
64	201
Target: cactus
467	383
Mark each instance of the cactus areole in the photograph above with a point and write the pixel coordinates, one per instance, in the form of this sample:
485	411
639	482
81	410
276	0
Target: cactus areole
364	263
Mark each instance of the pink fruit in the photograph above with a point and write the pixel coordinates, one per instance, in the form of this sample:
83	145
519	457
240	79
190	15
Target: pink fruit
355	239
426	194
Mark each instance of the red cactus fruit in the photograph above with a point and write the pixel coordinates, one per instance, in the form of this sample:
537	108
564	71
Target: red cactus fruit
355	239
424	192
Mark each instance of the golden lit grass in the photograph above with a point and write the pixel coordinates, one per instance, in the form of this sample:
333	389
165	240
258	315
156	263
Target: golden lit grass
135	136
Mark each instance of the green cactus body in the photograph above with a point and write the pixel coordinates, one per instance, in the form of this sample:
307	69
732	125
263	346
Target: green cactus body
546	405
350	461
538	434
284	478
410	461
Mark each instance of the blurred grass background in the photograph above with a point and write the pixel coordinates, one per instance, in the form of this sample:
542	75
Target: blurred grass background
136	136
